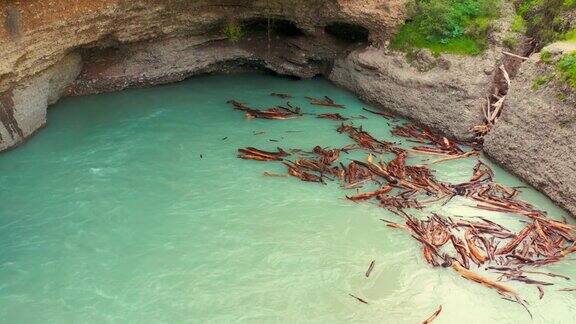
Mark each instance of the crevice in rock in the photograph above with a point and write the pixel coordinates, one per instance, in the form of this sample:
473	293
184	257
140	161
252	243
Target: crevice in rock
7	115
13	21
349	33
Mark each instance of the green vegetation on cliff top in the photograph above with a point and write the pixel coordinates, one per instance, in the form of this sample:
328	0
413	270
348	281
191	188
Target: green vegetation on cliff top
567	67
547	20
448	26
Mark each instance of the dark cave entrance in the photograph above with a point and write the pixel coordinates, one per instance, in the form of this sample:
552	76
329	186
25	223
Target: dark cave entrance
276	27
349	33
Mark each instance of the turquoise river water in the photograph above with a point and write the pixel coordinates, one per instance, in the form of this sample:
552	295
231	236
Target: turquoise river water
131	207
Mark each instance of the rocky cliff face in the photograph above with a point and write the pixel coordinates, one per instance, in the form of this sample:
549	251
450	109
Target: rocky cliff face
42	32
137	43
535	136
153	41
50	48
445	94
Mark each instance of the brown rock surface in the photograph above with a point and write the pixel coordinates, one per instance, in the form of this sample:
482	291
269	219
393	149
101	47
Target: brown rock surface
48	29
129	43
51	47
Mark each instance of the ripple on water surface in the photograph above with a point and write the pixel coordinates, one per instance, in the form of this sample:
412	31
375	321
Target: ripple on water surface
132	207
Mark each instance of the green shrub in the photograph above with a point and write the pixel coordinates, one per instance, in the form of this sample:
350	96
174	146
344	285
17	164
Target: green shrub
570	4
570	35
519	24
510	41
527	5
547	20
453	26
546	57
234	31
567	67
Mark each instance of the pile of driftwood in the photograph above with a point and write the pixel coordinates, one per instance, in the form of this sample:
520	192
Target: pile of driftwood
326	101
290	112
494	102
277	112
471	247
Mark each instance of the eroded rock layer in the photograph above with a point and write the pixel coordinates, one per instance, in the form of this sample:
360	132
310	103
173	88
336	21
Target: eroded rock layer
143	42
75	47
535	136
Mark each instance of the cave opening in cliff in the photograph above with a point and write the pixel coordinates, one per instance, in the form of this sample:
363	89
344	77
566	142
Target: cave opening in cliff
277	27
350	33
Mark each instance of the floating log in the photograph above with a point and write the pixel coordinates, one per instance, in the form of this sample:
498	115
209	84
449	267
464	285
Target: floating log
366	140
433	316
441	144
251	153
455	157
332	116
380	113
370	268
326	101
277	112
475	252
473	276
514	243
281	95
369	195
297	172
359	299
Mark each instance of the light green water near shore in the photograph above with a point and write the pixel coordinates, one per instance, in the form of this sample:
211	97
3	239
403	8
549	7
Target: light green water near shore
111	215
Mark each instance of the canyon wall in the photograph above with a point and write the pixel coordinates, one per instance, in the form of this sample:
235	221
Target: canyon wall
138	43
445	95
535	136
38	34
23	106
75	47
